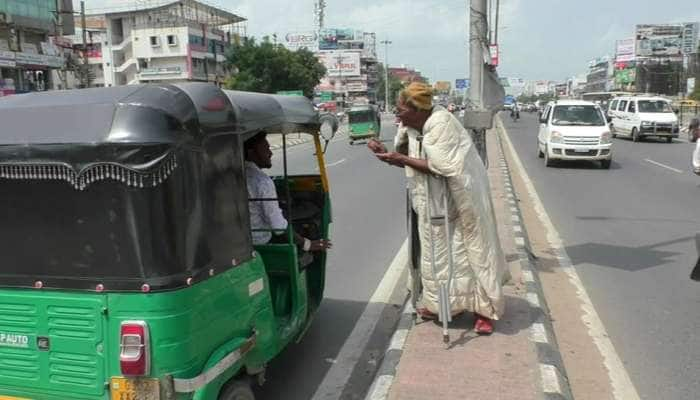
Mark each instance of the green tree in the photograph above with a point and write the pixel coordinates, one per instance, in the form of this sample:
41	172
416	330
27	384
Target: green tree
269	68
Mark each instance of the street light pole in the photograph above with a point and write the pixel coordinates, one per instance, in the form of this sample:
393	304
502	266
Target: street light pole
386	44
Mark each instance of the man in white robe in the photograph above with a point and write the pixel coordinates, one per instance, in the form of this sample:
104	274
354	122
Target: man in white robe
433	146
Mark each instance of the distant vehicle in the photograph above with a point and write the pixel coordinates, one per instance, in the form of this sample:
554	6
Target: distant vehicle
640	117
601	98
574	130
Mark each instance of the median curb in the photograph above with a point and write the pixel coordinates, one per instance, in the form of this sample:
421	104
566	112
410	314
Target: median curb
381	385
554	381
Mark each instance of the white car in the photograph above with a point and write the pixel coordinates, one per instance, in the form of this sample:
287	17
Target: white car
574	130
639	117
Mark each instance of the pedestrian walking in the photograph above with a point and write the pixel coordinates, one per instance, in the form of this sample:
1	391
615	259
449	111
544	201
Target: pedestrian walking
433	147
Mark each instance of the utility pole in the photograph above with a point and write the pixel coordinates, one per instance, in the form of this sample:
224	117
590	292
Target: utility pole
339	58
386	44
478	37
495	31
86	66
58	33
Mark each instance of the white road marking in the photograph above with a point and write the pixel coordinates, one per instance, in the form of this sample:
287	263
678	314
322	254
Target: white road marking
538	333
335	163
515	218
520	241
338	375
623	388
533	299
527	276
663	165
381	388
398	340
550	379
517	228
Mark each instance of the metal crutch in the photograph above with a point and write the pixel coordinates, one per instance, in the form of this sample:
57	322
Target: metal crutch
444	314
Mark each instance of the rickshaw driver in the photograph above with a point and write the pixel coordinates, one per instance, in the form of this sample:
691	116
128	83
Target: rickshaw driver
267	214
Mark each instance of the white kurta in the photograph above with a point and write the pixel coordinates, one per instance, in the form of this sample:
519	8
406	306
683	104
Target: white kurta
479	265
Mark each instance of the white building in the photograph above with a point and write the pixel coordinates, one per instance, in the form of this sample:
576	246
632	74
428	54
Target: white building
177	41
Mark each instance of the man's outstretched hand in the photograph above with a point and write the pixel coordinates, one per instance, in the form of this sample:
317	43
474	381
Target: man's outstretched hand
393	158
376	146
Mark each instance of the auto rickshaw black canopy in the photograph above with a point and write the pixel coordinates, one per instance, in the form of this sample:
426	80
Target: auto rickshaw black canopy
122	187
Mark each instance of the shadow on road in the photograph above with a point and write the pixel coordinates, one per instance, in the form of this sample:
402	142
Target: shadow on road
590	165
624	257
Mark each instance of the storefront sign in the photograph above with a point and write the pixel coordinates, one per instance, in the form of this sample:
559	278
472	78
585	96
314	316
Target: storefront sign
31	59
161	71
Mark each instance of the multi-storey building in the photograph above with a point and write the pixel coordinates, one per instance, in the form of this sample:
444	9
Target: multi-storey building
27	55
177	41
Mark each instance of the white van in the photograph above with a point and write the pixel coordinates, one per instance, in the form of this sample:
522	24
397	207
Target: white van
639	117
574	130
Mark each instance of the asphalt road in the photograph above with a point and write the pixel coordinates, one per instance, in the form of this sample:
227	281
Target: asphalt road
368	230
629	232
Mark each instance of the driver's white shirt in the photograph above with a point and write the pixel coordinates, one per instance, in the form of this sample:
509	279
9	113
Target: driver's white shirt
696	158
263	214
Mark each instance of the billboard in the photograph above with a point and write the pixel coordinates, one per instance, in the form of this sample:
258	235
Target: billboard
443	86
298	40
340	63
661	40
341	39
461	84
624	50
690	37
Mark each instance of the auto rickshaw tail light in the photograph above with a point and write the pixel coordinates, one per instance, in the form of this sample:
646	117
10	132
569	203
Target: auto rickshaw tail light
134	352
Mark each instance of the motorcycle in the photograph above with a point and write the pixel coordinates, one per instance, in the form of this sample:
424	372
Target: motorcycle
515	114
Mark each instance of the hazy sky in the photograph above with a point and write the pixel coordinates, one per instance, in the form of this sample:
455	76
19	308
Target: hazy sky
540	39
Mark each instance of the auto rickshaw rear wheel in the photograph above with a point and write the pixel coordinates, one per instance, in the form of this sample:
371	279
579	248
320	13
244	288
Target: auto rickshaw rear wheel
237	389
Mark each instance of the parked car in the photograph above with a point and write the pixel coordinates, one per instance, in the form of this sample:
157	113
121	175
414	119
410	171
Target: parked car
574	130
640	117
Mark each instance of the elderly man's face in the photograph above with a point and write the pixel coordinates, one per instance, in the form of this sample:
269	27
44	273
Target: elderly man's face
409	116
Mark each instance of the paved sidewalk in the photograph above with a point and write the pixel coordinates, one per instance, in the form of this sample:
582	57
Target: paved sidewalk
504	365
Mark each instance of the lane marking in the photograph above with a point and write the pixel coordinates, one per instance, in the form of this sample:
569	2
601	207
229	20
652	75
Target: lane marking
550	379
331	388
663	165
538	333
623	388
335	163
533	299
381	388
527	276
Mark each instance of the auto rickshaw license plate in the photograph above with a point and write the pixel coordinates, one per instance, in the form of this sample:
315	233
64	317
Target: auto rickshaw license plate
135	389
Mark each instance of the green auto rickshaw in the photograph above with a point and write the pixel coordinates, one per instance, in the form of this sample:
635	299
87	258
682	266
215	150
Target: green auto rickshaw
364	122
128	270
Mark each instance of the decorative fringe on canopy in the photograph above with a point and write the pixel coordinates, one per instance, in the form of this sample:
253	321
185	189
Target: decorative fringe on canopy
91	174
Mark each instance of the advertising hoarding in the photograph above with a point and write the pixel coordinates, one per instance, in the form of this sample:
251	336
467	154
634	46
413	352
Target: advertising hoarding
691	31
443	86
298	40
624	50
340	39
340	63
659	40
462	84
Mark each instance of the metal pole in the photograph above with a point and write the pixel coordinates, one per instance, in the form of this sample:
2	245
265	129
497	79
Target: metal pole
86	67
495	30
386	44
478	36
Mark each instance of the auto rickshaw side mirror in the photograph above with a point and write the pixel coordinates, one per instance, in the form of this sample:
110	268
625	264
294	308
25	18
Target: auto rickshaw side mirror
329	126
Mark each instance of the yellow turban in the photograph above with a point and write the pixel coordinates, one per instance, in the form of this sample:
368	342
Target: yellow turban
419	95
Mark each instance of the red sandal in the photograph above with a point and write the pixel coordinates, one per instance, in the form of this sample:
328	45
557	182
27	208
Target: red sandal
483	325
